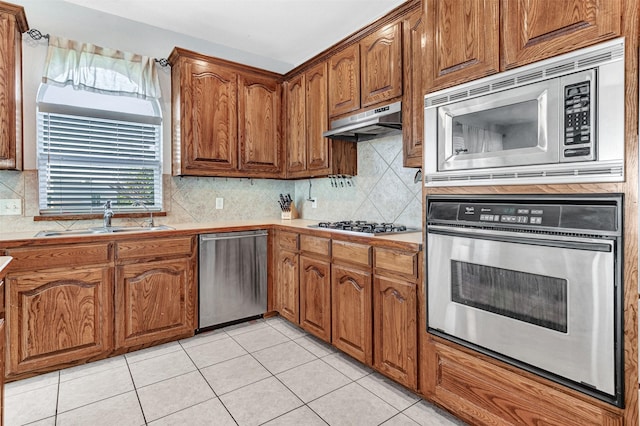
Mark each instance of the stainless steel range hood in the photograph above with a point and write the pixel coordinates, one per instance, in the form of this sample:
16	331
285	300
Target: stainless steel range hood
367	125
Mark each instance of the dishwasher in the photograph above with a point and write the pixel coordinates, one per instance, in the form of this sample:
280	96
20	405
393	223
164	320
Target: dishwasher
232	277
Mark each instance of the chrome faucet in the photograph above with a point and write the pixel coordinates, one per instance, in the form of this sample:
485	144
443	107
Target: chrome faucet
108	214
148	222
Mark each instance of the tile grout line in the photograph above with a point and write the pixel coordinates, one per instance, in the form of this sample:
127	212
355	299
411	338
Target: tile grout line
216	396
304	404
135	389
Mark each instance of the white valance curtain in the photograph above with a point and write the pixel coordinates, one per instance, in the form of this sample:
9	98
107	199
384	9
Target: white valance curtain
98	69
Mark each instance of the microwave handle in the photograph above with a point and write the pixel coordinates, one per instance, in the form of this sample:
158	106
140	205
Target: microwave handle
504	237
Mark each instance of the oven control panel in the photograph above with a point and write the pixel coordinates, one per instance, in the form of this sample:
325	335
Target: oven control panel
559	215
512	214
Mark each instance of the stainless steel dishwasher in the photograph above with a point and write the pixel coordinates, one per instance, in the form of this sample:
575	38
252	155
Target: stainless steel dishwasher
232	277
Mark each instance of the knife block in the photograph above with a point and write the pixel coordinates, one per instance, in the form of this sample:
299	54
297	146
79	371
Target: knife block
291	214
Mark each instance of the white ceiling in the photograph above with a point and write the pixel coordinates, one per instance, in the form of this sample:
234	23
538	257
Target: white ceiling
289	31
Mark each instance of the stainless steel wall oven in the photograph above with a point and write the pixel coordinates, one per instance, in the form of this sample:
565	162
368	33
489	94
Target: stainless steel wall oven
535	281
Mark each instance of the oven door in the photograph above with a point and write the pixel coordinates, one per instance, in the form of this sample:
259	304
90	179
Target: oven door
541	301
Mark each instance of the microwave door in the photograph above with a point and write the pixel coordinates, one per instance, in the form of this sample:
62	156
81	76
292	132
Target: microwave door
519	126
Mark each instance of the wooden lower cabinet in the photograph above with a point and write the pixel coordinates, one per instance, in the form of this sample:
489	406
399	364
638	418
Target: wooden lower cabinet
394	333
351	312
287	284
59	317
484	394
154	301
315	297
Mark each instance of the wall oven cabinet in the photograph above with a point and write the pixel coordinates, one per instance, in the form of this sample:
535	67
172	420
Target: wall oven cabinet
533	282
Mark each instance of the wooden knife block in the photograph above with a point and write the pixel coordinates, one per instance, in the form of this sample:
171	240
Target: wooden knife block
291	214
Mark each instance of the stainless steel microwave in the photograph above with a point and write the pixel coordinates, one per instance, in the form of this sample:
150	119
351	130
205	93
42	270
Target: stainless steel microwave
556	121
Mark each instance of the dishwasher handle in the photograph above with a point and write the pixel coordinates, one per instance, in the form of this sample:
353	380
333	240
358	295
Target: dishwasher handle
230	236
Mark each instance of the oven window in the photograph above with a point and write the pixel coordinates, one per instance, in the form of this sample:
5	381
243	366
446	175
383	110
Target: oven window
497	129
536	299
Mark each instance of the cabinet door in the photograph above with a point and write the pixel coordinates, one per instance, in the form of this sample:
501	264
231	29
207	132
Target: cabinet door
287	285
381	65
259	125
318	148
12	24
538	29
155	301
351	314
462	41
344	81
415	40
58	318
315	297
209	119
395	335
296	126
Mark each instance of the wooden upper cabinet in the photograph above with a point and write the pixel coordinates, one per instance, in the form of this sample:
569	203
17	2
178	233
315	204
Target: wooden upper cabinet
296	125
538	29
317	120
13	22
209	118
469	39
381	65
259	125
344	81
462	41
414	52
226	118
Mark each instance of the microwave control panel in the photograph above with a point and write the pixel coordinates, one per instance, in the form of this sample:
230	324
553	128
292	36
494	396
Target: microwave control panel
578	126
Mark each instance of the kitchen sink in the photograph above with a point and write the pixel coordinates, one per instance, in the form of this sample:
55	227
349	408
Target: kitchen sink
111	230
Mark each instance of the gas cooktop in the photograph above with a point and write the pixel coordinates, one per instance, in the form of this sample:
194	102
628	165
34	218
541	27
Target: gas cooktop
364	227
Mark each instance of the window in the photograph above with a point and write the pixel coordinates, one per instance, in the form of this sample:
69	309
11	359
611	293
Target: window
86	156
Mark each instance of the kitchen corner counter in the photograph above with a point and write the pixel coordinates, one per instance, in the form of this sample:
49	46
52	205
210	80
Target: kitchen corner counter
410	240
4	262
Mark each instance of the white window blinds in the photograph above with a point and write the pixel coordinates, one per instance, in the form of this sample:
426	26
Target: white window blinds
89	160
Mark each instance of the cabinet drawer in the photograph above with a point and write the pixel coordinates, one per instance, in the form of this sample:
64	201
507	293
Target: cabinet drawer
316	245
137	249
288	240
352	253
67	256
401	262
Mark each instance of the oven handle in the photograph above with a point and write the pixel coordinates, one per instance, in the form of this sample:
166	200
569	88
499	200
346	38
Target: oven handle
503	237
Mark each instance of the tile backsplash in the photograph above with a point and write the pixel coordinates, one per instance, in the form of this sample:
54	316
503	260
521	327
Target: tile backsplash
383	191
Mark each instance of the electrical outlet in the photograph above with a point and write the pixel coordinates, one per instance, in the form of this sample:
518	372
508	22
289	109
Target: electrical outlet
219	203
314	203
12	206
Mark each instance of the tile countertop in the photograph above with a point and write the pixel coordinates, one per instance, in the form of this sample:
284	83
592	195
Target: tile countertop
14	239
4	262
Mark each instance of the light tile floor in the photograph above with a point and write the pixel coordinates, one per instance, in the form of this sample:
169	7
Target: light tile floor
259	372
